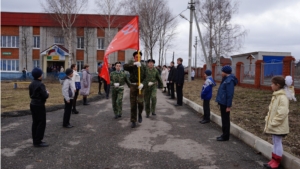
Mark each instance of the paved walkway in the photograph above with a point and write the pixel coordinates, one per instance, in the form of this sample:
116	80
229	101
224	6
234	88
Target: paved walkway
172	139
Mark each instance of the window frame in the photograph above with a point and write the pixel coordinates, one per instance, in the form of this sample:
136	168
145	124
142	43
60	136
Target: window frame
36	42
61	40
80	42
98	43
11	65
9	41
80	64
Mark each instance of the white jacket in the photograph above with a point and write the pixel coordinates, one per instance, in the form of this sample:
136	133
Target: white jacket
75	78
68	83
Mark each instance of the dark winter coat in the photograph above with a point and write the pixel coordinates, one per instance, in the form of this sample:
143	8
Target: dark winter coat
207	88
38	93
172	74
226	90
179	74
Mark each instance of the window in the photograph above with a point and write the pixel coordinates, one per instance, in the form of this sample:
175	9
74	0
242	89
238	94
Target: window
9	41
101	43
9	65
36	42
36	63
80	42
58	40
79	65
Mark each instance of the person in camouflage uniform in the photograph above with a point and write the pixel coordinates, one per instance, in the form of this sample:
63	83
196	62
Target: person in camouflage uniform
136	99
152	79
117	81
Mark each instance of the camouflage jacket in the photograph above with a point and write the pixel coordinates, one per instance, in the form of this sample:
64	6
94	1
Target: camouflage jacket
119	77
133	70
152	75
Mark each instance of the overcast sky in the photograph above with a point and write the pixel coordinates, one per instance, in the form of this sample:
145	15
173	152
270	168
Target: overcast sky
272	25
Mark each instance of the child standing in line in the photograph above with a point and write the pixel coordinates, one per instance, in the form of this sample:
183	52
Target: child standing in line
277	123
206	95
68	91
38	95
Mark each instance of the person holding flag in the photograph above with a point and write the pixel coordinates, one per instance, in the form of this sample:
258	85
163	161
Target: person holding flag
152	79
136	99
128	38
118	80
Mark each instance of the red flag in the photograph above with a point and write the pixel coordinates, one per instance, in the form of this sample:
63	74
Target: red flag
126	38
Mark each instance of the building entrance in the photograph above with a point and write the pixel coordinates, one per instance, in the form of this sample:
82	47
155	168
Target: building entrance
55	66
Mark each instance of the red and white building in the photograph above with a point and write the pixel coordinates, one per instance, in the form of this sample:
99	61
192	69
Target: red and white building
47	45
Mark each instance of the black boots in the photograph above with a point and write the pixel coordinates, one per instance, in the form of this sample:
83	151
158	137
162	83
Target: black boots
140	118
74	111
85	102
133	125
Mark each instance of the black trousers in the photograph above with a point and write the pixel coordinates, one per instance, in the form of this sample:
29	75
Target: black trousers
179	93
100	83
67	113
75	99
172	90
38	123
106	88
225	122
206	109
168	87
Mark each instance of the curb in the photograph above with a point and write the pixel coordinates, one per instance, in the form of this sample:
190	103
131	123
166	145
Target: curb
48	109
288	161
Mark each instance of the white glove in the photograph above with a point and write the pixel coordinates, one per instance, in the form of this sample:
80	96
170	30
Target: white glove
141	86
116	84
138	64
150	83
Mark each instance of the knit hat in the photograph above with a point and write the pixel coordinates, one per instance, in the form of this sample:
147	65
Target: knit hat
69	72
227	69
36	73
208	72
151	60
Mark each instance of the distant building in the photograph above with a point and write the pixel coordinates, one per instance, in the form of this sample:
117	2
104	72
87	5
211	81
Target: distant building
47	46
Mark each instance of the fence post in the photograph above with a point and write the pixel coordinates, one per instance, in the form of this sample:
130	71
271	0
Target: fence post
258	73
213	67
286	67
238	72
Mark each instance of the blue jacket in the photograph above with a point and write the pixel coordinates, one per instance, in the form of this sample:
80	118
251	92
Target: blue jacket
208	85
226	90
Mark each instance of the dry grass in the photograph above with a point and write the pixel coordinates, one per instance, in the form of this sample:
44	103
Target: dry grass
18	99
249	108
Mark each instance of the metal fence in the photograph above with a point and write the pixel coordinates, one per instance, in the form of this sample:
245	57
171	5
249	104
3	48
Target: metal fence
269	70
248	73
218	73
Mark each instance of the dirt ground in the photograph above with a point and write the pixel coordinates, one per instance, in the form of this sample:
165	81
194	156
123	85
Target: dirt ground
249	108
18	99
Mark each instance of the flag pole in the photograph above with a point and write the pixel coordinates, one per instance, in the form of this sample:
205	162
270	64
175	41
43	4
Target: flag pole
139	59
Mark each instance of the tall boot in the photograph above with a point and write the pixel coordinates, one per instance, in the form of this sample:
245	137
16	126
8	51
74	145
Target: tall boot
271	161
85	101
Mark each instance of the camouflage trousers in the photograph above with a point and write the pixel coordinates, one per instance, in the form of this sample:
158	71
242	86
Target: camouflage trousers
117	98
136	101
150	99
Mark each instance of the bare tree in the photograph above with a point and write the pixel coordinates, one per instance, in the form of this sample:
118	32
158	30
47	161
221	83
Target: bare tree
222	37
65	13
167	34
150	13
25	41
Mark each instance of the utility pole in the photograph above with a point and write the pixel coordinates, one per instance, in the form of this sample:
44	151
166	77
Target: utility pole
196	52
192	8
208	65
173	57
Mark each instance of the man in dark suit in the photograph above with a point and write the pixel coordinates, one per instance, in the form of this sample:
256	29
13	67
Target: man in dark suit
171	79
179	81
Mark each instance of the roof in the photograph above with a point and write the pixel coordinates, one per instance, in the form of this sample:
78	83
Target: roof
254	53
47	20
59	46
